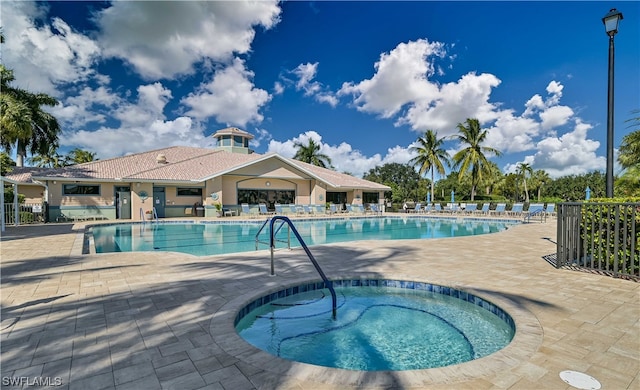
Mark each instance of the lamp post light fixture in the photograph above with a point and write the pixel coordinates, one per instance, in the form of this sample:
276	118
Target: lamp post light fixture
610	21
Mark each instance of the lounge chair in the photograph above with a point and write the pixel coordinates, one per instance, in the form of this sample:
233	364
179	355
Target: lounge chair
484	210
307	210
262	210
279	210
349	208
360	208
471	208
535	209
427	209
437	208
500	209
417	209
516	209
320	209
247	210
375	209
333	209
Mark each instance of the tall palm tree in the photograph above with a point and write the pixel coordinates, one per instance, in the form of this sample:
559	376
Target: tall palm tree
540	178
310	153
23	122
430	156
51	159
524	170
79	156
473	156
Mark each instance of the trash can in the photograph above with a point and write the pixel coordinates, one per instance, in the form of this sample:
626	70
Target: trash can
199	211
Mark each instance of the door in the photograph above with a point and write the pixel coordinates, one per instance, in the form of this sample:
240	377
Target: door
123	205
159	200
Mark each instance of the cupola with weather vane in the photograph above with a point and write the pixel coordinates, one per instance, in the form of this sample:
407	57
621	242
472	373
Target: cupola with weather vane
233	140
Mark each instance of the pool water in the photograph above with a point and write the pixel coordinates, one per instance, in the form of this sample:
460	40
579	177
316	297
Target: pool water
203	239
377	328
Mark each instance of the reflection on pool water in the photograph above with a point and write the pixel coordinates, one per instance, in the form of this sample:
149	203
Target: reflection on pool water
380	325
215	238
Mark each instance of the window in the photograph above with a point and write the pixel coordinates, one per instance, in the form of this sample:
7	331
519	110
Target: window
238	141
269	197
80	189
189	191
370	197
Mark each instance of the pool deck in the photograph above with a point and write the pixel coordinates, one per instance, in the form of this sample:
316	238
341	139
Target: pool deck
162	320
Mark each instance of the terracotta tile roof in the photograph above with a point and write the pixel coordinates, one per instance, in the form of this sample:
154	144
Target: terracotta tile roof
24	175
181	164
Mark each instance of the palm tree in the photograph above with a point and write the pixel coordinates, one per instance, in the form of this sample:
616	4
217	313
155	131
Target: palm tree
540	178
629	152
523	170
51	159
310	154
430	156
473	156
79	156
23	123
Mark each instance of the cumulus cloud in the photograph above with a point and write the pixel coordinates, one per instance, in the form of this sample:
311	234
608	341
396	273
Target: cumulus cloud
304	75
230	97
164	39
141	123
572	153
43	55
401	78
344	157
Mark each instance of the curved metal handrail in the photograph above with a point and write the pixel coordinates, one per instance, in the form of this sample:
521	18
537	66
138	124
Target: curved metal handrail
328	283
257	238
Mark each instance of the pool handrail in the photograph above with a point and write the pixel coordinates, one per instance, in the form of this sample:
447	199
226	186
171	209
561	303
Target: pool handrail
328	283
288	242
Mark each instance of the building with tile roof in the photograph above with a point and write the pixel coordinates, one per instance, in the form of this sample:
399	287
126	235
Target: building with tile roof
183	181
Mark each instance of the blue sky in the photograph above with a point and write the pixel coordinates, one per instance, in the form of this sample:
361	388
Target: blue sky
364	79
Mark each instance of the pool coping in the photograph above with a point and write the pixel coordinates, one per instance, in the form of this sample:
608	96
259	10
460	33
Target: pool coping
526	341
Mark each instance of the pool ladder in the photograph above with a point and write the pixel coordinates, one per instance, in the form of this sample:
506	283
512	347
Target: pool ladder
272	245
143	217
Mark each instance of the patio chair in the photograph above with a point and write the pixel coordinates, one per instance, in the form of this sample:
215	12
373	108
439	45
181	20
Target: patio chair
500	209
516	209
484	210
535	209
244	207
375	209
262	210
471	208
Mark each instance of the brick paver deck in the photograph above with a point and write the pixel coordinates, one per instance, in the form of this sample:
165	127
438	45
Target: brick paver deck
162	320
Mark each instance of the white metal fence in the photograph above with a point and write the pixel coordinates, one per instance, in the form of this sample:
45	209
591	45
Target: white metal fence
600	237
27	213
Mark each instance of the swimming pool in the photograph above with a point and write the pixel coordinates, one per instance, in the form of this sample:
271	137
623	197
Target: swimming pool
215	238
381	325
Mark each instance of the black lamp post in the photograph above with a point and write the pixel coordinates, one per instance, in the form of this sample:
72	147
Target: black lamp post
610	21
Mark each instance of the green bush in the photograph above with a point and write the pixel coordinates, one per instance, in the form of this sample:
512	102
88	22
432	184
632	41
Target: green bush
602	220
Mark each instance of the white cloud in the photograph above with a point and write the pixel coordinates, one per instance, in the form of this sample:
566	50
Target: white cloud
401	78
43	55
305	73
142	126
230	97
453	104
166	38
570	154
343	157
